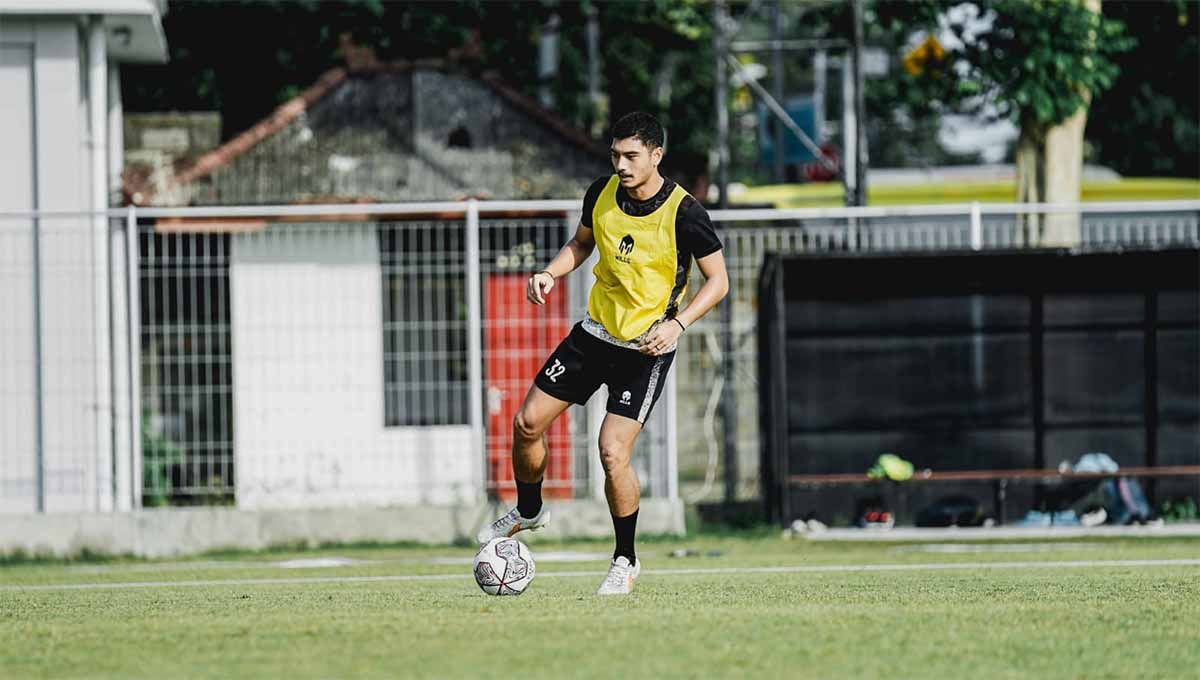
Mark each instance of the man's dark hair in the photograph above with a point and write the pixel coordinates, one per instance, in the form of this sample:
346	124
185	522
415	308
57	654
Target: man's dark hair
643	126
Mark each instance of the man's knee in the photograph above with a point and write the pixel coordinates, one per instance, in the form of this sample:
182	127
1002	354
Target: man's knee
614	456
525	428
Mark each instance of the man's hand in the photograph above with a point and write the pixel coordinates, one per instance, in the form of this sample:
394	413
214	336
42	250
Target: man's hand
660	340
538	287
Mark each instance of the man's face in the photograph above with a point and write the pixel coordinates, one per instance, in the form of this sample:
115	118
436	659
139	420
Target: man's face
633	161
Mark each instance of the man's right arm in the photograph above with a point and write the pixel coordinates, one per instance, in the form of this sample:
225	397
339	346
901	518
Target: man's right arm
570	258
572	255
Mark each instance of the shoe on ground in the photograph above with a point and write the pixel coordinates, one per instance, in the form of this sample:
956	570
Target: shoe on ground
621	577
1095	518
512	522
1065	518
1034	518
880	520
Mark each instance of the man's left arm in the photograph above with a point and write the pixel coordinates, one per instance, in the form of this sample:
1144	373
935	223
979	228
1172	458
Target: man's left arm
716	286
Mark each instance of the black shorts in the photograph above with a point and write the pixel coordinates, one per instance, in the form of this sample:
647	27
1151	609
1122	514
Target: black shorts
582	362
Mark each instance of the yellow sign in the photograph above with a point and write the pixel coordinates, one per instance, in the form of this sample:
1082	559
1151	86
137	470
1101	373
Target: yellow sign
930	50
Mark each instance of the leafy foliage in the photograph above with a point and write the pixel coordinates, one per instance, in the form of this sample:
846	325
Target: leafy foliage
1148	123
160	456
1035	60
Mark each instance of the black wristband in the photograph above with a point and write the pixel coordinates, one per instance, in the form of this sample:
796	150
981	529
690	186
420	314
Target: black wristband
547	273
676	320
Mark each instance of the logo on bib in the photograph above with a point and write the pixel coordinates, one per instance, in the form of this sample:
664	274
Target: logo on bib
625	396
625	248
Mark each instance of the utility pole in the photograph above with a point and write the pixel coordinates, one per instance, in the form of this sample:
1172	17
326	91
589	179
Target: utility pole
777	85
860	117
548	61
722	93
728	396
849	133
593	56
820	65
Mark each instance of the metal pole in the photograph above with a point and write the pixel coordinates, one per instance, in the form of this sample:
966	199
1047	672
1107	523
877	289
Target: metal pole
671	397
795	45
777	84
849	135
474	337
729	394
548	61
728	400
135	357
593	56
39	474
820	64
722	94
98	154
860	113
781	115
976	226
114	369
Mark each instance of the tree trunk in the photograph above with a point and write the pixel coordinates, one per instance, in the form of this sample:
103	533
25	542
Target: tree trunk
1064	168
1064	171
1028	187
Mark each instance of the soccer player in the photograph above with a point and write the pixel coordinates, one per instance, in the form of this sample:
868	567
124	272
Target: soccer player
648	230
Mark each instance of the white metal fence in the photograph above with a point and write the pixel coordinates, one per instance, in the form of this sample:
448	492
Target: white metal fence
306	356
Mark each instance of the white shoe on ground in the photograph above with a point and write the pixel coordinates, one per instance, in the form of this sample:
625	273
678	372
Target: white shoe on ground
621	577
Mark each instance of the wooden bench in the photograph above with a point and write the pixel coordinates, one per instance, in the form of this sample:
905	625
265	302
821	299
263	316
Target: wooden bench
998	478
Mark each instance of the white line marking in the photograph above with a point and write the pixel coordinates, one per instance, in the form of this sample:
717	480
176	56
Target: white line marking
817	569
964	548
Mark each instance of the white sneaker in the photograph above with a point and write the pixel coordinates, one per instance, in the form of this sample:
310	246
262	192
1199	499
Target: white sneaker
621	577
1094	518
512	522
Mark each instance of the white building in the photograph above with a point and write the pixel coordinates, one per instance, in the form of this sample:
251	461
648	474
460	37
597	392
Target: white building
61	449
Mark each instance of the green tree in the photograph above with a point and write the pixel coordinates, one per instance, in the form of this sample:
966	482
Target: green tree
1148	123
1038	62
658	58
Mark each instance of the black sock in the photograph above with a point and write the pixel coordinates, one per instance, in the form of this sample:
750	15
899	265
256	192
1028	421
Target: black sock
529	498
625	528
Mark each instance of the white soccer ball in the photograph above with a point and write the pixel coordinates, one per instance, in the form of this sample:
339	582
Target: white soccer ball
504	566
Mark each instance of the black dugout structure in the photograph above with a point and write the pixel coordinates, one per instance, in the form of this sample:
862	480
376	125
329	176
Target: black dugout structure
975	361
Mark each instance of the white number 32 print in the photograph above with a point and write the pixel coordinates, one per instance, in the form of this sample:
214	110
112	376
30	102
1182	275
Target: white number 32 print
556	370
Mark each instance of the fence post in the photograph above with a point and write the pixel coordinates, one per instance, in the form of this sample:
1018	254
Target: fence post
39	438
976	226
977	355
729	395
672	405
587	473
475	340
135	356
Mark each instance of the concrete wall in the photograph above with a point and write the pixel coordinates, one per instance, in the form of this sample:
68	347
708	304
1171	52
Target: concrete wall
17	435
307	316
156	144
45	138
178	532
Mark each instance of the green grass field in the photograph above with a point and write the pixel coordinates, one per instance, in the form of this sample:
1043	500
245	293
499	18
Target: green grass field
762	607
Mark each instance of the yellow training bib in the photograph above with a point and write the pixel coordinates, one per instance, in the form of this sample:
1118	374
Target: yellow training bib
638	259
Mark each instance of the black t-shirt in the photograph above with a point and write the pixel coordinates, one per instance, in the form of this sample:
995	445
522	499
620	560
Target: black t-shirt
694	232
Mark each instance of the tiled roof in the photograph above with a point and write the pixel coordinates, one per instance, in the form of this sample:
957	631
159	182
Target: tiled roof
289	111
